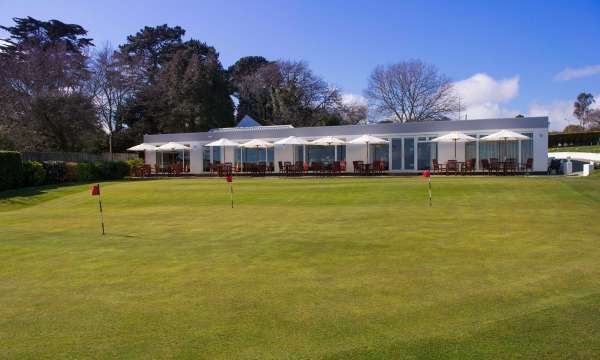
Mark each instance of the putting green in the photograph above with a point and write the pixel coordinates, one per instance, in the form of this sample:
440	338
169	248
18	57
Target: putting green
303	268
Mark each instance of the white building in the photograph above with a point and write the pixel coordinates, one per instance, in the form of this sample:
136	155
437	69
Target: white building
409	149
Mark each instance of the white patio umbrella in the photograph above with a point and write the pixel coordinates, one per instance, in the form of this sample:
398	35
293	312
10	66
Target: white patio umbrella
223	142
505	135
368	139
328	141
173	146
142	147
257	144
292	140
454	137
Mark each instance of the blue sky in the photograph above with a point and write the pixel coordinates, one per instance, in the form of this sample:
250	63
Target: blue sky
507	57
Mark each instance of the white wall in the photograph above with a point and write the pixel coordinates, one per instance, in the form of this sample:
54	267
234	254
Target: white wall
196	166
150	158
446	152
540	150
283	153
355	152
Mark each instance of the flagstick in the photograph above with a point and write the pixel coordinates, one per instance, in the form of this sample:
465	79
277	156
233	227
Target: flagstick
231	193
101	215
429	178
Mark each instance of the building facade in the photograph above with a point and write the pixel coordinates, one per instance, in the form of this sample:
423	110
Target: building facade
409	148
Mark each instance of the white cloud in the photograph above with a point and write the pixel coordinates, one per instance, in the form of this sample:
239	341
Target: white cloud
570	74
482	96
351	99
559	112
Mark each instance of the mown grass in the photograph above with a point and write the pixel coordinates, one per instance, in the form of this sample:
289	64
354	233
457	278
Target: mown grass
304	268
590	149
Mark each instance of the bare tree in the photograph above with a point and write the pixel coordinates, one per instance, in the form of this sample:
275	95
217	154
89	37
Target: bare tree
411	91
110	87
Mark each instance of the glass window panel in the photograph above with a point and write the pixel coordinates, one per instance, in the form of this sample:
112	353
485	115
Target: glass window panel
299	153
238	155
206	157
320	154
527	148
216	154
397	154
380	152
341	152
409	153
426	151
271	155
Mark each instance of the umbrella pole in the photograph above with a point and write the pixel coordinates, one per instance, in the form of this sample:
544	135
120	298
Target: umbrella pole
454	149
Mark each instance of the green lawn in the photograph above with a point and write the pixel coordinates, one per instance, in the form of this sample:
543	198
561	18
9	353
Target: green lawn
344	268
591	149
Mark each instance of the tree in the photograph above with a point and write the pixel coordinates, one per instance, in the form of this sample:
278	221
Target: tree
42	81
594	120
151	48
242	76
194	88
519	116
411	91
111	88
581	108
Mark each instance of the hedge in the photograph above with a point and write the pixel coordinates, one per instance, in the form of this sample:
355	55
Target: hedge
574	139
33	173
11	170
15	173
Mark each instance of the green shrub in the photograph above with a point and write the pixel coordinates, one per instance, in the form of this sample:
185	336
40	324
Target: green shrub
55	172
86	171
111	170
574	139
71	173
11	170
34	173
135	163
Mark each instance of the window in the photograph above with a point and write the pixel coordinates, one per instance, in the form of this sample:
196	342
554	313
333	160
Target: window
206	157
426	151
409	153
320	154
380	152
270	155
341	152
216	150
397	154
471	149
299	153
527	148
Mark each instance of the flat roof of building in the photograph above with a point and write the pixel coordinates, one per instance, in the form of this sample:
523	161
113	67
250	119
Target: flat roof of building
267	132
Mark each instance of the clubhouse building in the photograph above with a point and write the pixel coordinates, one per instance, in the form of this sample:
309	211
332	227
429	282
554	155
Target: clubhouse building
408	147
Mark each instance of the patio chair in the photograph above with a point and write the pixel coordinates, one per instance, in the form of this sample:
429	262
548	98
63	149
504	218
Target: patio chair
468	167
282	168
510	167
528	166
451	167
343	166
437	167
494	166
485	166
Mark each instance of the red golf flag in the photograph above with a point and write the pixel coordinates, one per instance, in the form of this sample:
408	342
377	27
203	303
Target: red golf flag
426	173
96	190
229	178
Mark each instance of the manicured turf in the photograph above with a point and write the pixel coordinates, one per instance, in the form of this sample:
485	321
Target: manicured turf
304	268
590	149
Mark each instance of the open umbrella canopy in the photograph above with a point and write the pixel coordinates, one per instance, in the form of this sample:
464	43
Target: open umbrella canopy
328	141
504	135
368	139
142	147
257	143
172	146
223	142
292	140
454	136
